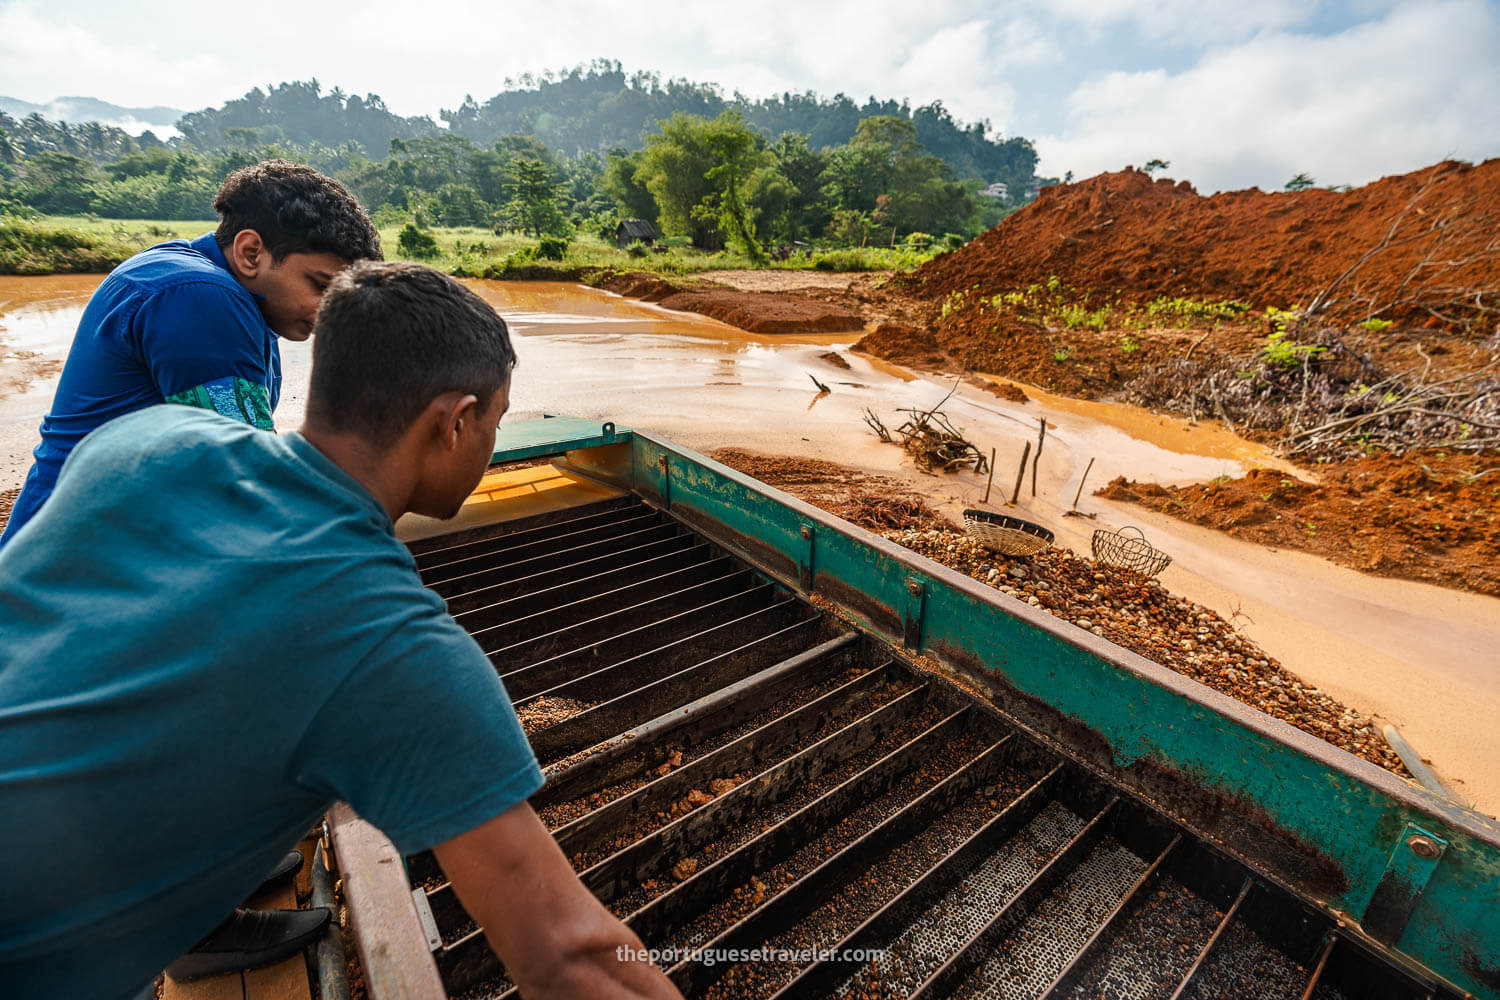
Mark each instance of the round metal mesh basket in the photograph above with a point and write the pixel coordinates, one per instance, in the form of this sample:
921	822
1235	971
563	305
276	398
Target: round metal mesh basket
1129	551
1009	536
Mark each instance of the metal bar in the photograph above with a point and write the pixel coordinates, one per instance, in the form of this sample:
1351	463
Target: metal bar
731	579
328	954
943	981
633	520
543	674
479	602
1100	940
1208	946
1317	973
621	760
434	543
543	599
724	676
792	904
496	541
590	829
646	585
691	897
627	675
504	572
819	979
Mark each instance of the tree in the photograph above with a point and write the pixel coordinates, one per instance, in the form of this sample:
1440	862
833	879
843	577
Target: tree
534	199
1152	166
885	173
622	184
674	168
58	183
1300	183
738	154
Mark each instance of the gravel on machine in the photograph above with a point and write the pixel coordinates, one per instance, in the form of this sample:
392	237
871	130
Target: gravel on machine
1138	613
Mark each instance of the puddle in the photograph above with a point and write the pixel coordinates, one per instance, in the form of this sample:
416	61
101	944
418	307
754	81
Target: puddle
1203	439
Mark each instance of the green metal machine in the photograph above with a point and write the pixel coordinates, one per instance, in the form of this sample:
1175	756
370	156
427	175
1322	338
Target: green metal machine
1388	869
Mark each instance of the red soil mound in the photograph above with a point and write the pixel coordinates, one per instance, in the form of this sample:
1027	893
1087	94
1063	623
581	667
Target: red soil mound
905	345
1423	516
756	312
1419	247
766	312
647	287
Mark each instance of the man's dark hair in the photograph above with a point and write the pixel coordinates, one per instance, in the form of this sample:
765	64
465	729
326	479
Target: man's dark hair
295	209
391	338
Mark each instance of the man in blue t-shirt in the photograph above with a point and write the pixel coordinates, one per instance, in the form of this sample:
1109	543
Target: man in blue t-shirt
196	321
212	633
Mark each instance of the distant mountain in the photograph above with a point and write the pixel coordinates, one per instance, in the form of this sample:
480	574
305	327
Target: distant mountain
75	110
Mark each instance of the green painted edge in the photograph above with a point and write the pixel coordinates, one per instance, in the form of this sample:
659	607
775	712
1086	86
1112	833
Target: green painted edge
553	435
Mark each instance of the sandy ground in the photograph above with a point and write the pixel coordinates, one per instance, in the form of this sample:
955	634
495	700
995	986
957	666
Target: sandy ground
1419	656
782	281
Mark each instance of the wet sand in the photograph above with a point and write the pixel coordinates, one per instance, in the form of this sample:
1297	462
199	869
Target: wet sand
1419	656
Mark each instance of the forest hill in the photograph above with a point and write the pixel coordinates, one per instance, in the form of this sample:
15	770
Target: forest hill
715	180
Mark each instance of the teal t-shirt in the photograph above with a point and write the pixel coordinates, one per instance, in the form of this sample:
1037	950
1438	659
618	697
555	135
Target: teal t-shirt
208	635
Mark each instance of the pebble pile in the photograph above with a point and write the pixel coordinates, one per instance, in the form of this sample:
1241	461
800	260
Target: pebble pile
1138	613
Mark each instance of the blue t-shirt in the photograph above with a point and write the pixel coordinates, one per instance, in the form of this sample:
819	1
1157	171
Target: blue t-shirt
210	634
171	324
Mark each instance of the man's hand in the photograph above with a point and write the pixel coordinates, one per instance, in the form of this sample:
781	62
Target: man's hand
555	938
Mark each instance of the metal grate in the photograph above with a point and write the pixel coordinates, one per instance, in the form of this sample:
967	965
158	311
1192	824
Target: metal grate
729	768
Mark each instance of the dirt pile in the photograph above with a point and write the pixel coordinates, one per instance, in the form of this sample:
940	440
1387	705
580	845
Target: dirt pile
1136	612
1425	516
1414	248
1124	607
755	312
902	344
877	503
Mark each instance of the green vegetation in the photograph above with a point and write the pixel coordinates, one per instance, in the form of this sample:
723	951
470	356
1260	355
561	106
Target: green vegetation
415	243
1054	305
1376	325
1282	353
560	155
28	247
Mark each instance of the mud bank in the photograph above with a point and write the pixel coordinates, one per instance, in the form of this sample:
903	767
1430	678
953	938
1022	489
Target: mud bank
1430	517
752	311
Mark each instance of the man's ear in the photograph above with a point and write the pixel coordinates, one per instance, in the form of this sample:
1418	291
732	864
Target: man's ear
248	254
458	412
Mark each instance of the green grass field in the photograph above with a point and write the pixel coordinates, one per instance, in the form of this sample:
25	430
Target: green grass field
70	243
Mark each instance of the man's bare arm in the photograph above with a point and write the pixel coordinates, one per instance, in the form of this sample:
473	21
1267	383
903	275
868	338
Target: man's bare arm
555	938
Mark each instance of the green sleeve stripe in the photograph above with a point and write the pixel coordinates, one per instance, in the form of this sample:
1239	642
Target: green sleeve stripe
234	397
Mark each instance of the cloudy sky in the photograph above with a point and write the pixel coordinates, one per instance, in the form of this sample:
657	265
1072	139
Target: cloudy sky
1233	93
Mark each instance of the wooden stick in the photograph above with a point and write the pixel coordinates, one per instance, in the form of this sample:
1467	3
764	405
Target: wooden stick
1037	458
1080	484
1020	474
992	476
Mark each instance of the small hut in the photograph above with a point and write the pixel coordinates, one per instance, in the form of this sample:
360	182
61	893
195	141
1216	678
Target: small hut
633	230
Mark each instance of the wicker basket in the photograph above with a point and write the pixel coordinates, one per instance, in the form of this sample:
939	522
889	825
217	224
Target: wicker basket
1009	536
1116	548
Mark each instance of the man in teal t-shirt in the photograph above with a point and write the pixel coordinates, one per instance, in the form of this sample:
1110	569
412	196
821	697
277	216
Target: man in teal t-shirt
212	633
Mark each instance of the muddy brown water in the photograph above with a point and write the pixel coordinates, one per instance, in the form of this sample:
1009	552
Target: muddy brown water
1419	656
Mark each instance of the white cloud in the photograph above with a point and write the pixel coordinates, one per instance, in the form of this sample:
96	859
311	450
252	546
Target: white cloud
1185	22
1378	98
44	58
